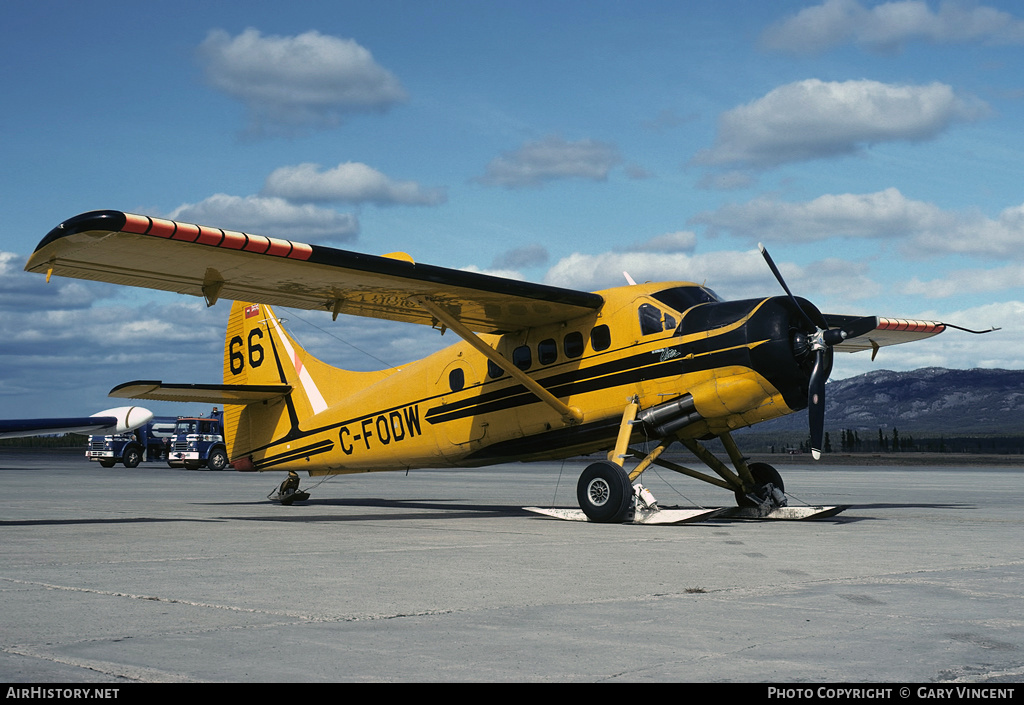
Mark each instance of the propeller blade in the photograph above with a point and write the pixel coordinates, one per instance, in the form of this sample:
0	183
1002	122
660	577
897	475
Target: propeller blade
816	402
821	324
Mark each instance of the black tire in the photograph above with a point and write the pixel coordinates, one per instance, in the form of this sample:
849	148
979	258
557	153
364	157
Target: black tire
764	474
132	456
605	493
218	460
107	463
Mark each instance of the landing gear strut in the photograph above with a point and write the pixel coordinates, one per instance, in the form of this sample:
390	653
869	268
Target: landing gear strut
606	491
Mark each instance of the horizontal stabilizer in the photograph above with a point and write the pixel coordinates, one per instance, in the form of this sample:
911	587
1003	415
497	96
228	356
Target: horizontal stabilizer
203	393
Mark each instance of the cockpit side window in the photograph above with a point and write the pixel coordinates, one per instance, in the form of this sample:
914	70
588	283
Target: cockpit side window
681	298
650	319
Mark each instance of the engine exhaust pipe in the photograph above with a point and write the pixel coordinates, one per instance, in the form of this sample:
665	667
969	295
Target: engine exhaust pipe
668	418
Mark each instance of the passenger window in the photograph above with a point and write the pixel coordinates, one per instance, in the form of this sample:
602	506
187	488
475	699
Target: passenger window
493	370
522	357
457	379
600	338
670	322
547	351
650	319
572	346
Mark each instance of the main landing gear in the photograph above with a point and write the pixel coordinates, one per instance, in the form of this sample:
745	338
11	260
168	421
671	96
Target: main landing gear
607	494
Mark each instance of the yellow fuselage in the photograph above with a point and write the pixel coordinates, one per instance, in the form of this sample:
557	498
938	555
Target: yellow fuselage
456	408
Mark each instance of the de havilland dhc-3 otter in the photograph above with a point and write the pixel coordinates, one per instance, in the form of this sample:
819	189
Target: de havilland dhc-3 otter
540	372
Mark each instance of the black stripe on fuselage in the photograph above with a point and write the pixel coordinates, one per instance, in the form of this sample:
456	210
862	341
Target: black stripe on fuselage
629	370
295	454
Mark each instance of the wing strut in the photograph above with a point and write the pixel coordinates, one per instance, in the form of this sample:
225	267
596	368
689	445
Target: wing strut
570	414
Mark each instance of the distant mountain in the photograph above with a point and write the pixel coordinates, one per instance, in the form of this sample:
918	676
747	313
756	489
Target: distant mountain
929	401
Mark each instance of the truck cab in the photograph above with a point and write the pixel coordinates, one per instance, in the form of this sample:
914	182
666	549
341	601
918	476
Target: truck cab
116	448
147	442
198	442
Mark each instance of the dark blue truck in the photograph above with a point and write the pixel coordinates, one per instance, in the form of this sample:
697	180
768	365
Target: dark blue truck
148	442
198	442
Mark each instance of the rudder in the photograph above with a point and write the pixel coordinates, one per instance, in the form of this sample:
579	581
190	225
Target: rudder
257	350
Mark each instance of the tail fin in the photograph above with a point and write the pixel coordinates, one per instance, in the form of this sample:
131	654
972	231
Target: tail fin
258	351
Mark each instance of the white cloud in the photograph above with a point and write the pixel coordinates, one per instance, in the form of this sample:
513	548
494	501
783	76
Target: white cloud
815	119
350	182
549	159
78	355
957	282
309	80
273	217
679	241
526	256
926	229
975	234
888	26
732	274
493	272
884	214
734	271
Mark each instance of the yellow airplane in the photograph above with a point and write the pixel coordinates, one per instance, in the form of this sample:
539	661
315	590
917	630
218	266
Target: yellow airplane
540	373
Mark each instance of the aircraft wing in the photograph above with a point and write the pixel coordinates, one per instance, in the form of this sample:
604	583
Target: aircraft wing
889	331
136	250
119	420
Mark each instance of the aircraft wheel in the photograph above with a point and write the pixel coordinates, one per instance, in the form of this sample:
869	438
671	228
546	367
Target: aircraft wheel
604	492
764	474
132	457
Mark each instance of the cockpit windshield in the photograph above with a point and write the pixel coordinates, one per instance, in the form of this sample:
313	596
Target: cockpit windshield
682	298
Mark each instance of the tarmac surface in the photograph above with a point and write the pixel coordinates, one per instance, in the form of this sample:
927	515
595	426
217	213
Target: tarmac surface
161	575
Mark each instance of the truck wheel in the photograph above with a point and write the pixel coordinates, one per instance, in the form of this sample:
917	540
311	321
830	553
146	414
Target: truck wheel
132	456
107	463
218	460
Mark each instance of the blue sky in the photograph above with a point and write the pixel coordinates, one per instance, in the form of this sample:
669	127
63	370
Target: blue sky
875	148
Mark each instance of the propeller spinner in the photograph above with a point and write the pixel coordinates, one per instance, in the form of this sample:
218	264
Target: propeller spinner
820	342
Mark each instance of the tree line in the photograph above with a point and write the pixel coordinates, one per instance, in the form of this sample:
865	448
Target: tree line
854	441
